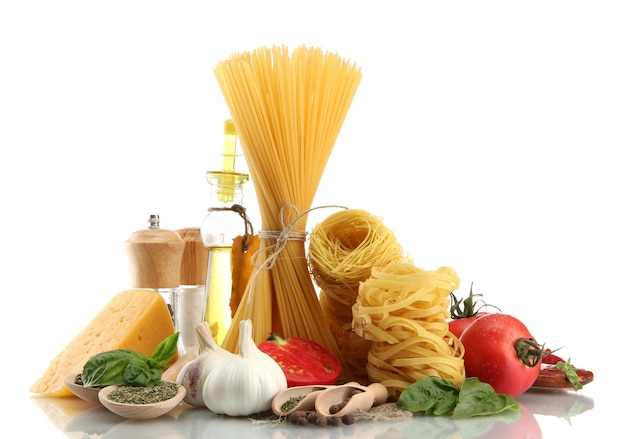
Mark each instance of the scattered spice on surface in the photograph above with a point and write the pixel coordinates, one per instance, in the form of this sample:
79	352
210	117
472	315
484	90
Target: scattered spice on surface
161	391
387	412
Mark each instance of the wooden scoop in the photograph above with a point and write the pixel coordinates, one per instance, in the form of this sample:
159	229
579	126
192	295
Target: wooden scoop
305	394
350	398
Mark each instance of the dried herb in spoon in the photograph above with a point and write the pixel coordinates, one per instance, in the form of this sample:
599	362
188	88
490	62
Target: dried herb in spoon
127	367
161	391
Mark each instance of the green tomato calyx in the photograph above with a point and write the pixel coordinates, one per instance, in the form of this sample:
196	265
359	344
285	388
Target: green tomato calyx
276	339
530	352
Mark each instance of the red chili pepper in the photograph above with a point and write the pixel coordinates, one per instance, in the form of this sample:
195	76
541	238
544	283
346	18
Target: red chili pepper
551	358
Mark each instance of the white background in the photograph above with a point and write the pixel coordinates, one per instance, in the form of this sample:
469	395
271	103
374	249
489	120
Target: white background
488	135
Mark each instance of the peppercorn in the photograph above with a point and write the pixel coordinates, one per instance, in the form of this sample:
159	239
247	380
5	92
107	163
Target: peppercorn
336	408
312	416
321	421
335	421
348	419
294	417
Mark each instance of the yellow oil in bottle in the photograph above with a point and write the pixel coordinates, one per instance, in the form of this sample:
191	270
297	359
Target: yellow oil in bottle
221	225
219	286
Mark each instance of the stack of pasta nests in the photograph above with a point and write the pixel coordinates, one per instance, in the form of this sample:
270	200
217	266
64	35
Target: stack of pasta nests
389	317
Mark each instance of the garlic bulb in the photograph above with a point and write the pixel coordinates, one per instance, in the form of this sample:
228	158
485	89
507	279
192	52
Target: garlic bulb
245	384
194	373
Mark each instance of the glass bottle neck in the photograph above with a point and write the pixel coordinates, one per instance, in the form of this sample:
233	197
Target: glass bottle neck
223	221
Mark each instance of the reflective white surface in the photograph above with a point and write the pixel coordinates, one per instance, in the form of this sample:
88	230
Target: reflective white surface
543	414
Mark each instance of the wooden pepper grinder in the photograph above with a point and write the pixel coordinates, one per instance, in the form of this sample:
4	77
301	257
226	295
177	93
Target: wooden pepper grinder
190	302
155	257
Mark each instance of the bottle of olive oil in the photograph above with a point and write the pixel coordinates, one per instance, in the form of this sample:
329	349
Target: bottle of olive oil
224	221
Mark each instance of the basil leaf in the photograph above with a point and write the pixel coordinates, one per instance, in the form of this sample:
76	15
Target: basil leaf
429	395
166	349
128	367
142	374
478	399
107	368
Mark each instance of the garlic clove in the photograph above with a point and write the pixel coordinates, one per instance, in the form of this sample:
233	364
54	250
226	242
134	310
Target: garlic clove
191	377
193	374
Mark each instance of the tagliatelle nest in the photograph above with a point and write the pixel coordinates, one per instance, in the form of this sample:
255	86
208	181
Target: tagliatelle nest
343	250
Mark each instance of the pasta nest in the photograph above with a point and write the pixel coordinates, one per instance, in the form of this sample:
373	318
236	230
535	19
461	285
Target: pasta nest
345	247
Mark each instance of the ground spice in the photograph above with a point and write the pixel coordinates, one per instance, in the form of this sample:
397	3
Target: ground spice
291	403
161	391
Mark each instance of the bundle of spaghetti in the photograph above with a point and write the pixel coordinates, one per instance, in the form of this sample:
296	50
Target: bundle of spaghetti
343	249
288	109
404	311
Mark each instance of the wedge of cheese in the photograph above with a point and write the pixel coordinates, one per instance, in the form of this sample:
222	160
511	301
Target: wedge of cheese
133	319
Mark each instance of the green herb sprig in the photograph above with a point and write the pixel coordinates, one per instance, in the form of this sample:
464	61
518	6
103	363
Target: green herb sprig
126	367
570	373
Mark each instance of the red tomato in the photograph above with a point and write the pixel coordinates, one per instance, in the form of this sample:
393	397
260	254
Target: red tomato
458	325
492	344
304	362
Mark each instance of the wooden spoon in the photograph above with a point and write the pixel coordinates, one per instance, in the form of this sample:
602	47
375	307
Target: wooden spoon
89	394
306	394
350	398
140	411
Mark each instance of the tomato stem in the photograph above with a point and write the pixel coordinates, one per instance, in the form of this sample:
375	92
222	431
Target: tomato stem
276	338
461	309
529	351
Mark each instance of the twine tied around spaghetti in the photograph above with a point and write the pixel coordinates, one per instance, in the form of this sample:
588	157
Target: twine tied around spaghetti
241	211
287	233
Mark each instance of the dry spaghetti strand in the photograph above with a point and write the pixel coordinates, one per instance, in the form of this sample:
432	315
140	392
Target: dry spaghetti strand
403	310
288	109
